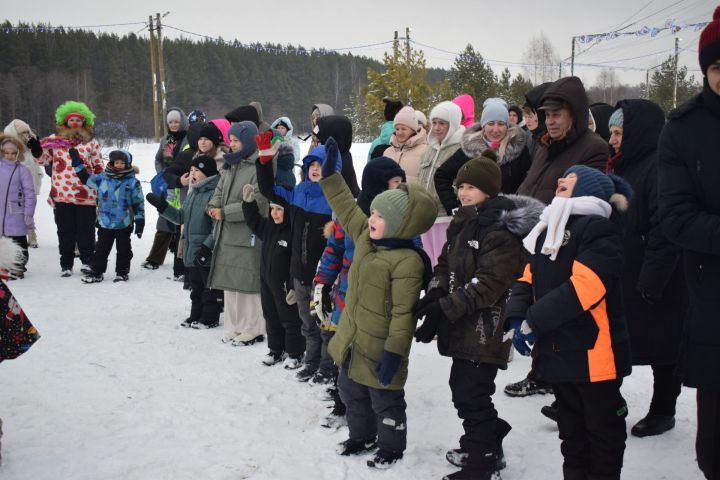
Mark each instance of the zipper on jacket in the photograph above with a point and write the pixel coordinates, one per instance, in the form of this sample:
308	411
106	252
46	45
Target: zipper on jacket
7	195
303	257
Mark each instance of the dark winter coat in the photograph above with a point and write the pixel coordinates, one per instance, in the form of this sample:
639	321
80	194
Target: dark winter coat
532	100
194	216
308	211
276	247
579	147
384	284
688	173
652	262
340	128
479	263
574	304
513	159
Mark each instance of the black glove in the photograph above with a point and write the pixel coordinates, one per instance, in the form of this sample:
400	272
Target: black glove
75	156
156	202
203	256
331	155
434	316
34	145
139	227
431	296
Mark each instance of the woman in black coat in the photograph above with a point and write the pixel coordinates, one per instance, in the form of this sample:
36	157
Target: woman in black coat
653	283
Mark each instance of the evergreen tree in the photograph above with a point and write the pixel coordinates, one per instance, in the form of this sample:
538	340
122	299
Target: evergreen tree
662	85
503	86
518	88
470	74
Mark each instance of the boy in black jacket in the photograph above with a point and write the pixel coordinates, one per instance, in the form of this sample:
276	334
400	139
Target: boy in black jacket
277	295
569	301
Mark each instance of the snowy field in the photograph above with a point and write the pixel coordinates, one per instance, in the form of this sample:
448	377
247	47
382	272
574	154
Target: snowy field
115	389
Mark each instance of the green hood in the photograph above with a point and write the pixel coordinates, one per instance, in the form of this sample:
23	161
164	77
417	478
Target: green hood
422	212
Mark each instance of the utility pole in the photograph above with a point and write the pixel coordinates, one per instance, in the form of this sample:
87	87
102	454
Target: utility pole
156	125
161	63
572	58
677	40
407	43
560	70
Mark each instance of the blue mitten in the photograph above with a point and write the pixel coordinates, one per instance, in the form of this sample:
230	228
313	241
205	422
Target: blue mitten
387	367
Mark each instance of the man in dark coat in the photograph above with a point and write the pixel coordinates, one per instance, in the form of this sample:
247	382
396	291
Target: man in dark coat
568	142
688	175
653	283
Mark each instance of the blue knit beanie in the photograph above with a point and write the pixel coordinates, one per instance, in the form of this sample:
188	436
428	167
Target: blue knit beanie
591	183
494	109
616	119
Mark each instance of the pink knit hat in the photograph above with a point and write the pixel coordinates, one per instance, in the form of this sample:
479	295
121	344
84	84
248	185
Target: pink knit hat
406	116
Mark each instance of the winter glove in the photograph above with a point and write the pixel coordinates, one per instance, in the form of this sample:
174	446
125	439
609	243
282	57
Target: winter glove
331	155
139	227
156	202
248	194
75	156
203	256
431	295
322	302
521	335
291	298
29	221
264	143
387	367
34	145
434	316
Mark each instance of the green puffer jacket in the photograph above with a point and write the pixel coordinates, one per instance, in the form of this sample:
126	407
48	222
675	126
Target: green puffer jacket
481	260
235	264
199	225
383	286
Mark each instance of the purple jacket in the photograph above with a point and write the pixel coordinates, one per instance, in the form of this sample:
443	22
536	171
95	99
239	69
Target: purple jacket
17	198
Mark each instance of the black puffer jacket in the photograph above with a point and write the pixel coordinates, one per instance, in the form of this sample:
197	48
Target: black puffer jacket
574	304
340	128
513	159
689	197
652	262
479	263
579	147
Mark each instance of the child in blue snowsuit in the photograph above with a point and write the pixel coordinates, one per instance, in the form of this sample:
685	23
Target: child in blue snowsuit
120	206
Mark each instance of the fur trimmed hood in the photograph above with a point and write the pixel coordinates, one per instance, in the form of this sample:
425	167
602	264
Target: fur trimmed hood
77	136
473	143
526	214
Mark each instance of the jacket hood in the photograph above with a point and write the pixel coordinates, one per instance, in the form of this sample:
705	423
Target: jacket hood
207	184
601	113
287	122
243	113
338	127
419	138
451	113
12	128
421	214
375	177
193	134
318	155
526	214
183	118
572	91
324	109
473	143
224	125
642	123
467	106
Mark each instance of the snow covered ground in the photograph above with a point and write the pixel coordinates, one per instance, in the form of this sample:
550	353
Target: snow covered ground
115	389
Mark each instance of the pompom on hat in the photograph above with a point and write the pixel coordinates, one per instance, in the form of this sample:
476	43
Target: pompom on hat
709	46
71	107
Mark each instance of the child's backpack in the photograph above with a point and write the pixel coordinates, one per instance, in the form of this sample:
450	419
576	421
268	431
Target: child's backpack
159	185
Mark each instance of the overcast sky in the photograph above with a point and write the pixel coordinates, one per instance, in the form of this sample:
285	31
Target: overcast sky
499	30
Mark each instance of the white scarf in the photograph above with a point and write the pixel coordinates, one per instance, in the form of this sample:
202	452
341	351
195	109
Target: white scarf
554	218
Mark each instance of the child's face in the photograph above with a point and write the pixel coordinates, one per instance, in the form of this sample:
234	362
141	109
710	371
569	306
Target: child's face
173	125
394	182
281	128
377	225
277	213
205	144
403	133
235	144
566	186
470	195
119	165
196	175
314	172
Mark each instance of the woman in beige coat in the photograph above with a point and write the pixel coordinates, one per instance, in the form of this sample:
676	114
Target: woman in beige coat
408	143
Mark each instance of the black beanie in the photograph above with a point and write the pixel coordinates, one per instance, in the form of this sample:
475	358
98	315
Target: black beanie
392	107
212	133
243	113
206	164
481	172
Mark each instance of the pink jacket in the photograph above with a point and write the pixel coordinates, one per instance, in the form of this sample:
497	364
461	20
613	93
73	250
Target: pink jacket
409	154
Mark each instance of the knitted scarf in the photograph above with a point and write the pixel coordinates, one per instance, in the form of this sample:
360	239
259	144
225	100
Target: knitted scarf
118	174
